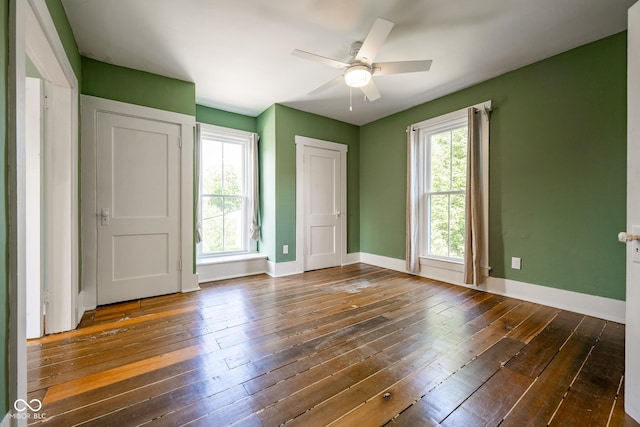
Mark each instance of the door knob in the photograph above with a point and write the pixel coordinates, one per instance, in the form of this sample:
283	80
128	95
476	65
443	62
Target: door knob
104	216
626	237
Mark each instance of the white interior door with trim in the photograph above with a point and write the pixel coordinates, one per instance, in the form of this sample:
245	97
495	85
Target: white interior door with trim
138	207
321	203
323	225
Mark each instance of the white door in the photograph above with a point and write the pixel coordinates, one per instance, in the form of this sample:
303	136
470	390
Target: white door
632	341
323	230
138	194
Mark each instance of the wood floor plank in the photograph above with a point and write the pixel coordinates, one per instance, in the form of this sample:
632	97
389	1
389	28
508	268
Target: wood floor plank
594	390
351	346
540	401
107	326
90	382
416	388
493	400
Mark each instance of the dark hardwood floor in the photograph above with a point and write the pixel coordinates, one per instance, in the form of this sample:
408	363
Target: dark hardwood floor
351	346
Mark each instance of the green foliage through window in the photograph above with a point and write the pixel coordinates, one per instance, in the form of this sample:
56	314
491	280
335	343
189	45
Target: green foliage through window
447	182
223	185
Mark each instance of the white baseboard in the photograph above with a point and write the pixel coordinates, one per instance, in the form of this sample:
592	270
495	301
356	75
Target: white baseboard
81	307
193	284
293	267
591	305
352	258
280	269
383	261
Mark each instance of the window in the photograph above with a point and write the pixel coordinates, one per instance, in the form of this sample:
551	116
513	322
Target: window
438	190
226	187
445	182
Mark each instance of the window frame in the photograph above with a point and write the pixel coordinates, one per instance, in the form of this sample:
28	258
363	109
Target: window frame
244	139
433	126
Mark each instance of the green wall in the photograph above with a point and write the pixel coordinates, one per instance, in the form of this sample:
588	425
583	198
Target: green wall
59	17
280	125
557	170
137	87
213	116
4	274
31	70
266	127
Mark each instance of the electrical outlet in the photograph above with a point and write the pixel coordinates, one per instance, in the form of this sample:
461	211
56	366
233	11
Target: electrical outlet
285	249
516	263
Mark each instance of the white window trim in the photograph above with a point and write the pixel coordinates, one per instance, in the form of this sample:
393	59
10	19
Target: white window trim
233	136
442	122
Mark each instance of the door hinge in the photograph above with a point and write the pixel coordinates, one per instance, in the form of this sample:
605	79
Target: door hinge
180	141
45	102
180	265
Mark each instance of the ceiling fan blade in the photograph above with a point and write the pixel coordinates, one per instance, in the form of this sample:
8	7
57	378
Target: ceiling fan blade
383	68
321	59
376	37
327	85
371	91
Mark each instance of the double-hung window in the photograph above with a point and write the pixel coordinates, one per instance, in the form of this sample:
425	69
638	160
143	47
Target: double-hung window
447	194
226	191
444	188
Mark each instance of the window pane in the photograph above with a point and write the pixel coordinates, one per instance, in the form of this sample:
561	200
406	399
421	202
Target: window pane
233	169
225	180
211	154
457	222
212	224
459	159
439	226
440	165
233	224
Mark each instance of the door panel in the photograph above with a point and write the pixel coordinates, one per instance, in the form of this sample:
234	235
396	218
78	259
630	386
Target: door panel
138	177
632	340
323	232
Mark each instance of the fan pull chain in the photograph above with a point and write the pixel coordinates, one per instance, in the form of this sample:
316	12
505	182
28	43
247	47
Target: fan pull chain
350	99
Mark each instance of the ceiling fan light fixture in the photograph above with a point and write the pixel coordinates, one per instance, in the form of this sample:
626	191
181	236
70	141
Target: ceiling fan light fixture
357	76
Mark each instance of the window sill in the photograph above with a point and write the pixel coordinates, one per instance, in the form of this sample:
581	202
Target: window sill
230	259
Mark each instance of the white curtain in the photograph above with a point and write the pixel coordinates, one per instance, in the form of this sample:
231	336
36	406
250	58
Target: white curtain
413	201
197	168
474	239
254	225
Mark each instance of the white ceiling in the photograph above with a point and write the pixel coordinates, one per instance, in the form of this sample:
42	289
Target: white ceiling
238	52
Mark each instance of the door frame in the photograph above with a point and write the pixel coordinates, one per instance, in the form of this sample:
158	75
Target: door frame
32	32
90	106
60	260
301	143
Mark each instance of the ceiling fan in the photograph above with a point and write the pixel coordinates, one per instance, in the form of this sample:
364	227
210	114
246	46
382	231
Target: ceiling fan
360	69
